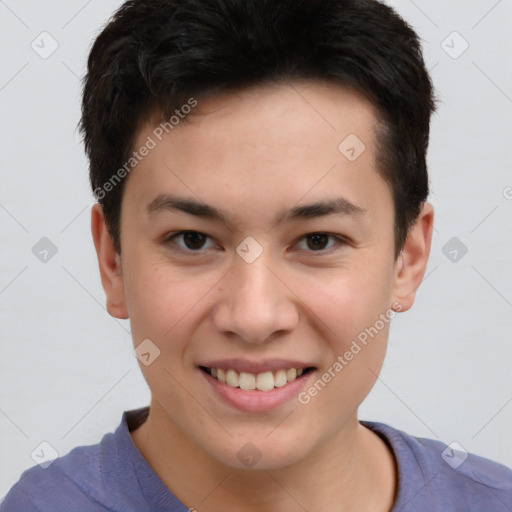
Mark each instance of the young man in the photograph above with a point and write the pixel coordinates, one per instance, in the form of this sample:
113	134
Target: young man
261	178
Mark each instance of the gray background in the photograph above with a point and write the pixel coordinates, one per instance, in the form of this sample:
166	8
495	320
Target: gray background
67	368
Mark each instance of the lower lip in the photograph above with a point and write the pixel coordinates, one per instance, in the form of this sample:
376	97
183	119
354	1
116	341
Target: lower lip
254	400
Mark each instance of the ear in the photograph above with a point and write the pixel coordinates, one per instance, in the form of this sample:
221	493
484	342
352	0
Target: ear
412	262
110	264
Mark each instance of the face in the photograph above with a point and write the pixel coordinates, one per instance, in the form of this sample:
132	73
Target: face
252	243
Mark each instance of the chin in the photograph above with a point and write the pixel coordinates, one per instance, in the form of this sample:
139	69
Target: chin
260	452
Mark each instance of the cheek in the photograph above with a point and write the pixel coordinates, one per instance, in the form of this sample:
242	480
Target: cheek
348	300
161	302
354	317
352	308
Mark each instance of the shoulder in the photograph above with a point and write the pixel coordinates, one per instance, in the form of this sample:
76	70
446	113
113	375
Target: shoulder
68	483
435	476
97	478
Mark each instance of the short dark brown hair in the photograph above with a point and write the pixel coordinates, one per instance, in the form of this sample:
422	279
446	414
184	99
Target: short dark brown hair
155	56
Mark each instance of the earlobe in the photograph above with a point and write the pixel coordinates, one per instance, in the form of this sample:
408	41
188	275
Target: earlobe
109	263
412	261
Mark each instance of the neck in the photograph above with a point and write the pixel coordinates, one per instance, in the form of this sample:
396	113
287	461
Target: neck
352	471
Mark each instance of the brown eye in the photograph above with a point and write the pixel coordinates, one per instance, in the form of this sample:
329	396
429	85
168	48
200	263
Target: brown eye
318	241
194	240
191	241
321	243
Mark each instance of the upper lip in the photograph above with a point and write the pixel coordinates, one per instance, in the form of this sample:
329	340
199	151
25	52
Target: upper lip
247	366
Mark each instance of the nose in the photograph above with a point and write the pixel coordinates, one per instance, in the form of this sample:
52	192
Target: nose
256	304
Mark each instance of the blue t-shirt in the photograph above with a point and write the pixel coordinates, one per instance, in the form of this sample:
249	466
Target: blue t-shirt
114	476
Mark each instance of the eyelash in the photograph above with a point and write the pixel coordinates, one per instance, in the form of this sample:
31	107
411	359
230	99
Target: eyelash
339	242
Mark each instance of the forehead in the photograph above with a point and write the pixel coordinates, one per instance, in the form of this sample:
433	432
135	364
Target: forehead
301	114
284	141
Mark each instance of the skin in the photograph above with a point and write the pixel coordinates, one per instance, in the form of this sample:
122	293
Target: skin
254	154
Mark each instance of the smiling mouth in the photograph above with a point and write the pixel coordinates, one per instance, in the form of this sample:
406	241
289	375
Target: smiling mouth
264	381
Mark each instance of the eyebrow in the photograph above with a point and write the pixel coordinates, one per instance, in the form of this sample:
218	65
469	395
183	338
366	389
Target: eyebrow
171	203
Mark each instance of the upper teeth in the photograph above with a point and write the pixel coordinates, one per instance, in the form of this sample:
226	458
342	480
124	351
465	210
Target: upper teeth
262	381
